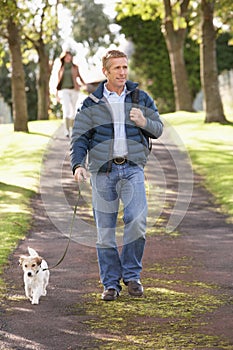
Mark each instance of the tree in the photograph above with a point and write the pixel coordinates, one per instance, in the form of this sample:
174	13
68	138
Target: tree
18	78
35	23
174	16
175	39
10	31
209	74
39	27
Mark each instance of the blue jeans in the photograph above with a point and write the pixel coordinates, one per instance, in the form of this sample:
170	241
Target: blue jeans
126	183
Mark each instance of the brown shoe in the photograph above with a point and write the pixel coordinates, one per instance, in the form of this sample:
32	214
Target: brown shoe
110	294
135	288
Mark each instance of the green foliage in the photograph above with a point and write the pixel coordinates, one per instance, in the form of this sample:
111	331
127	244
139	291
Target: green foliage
39	21
8	9
90	24
223	10
153	9
31	89
150	61
224	52
147	10
5	81
31	86
192	60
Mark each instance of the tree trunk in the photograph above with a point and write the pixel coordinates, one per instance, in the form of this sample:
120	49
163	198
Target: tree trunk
209	75
19	100
175	40
43	82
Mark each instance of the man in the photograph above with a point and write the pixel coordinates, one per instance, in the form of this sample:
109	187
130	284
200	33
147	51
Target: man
113	133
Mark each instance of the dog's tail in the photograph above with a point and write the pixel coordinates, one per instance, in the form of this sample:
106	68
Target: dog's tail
32	252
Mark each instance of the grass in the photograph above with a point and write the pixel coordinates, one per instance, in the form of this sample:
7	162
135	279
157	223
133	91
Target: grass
21	158
172	315
210	147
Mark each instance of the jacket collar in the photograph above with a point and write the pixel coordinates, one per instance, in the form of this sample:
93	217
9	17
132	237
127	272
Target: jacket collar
98	93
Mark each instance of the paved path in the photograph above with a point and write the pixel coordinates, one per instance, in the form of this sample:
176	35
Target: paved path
201	254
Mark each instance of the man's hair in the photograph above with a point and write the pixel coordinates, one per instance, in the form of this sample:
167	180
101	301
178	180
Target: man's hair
111	54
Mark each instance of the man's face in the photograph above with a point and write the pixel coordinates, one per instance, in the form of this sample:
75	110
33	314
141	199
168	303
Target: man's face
117	73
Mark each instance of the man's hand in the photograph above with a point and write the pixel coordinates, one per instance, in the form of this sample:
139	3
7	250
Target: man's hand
80	174
137	117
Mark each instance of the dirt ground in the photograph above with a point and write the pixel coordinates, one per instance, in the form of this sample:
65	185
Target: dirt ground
198	253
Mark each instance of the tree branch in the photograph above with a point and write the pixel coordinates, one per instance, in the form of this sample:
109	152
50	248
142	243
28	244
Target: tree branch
168	9
184	6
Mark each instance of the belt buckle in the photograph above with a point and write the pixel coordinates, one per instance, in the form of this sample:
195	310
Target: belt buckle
119	160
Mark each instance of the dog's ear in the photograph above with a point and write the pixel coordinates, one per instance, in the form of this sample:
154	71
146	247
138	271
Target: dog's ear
21	259
38	260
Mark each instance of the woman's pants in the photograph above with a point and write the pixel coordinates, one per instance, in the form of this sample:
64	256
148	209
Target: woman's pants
69	98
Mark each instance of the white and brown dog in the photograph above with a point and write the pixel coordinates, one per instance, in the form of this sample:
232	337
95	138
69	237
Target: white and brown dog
36	275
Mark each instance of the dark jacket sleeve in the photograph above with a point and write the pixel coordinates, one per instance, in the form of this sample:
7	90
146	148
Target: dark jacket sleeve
81	135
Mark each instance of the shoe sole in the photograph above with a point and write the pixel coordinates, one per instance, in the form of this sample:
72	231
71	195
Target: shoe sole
109	298
136	295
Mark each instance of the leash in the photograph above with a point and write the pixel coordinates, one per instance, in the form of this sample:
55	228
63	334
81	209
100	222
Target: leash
70	235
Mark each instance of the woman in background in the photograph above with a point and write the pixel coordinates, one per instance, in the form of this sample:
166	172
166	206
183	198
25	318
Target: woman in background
68	89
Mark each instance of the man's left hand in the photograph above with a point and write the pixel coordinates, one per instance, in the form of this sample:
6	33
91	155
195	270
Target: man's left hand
137	117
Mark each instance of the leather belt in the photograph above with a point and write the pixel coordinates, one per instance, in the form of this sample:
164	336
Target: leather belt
120	160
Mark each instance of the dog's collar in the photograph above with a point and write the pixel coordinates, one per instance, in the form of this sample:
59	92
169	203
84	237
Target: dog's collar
38	270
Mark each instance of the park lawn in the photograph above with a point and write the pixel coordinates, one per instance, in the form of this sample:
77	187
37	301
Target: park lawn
21	160
210	147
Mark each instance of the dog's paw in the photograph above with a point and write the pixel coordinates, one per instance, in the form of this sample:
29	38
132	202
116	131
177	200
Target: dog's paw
35	302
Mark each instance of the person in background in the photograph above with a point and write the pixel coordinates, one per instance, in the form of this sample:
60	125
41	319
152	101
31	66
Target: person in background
68	89
112	131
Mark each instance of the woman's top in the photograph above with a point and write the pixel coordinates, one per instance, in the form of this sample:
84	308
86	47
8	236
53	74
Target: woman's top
67	79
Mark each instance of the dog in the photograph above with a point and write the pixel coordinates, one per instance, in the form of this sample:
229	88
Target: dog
36	275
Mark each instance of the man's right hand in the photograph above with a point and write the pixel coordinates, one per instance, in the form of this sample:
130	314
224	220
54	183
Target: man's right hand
80	174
